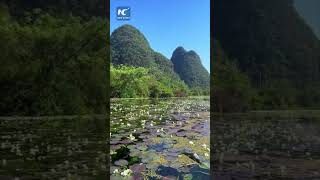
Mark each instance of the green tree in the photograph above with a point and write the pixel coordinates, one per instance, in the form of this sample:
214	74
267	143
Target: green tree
53	66
129	82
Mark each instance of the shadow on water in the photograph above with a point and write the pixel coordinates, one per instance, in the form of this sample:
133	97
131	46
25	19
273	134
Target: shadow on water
67	147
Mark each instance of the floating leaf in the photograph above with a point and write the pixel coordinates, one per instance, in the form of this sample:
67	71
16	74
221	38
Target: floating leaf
142	147
138	168
181	134
167	171
187	177
121	162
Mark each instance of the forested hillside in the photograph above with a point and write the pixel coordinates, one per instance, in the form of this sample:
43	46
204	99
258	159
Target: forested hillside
188	65
139	71
54	57
270	44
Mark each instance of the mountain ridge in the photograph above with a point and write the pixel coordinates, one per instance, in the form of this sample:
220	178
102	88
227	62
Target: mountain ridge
130	47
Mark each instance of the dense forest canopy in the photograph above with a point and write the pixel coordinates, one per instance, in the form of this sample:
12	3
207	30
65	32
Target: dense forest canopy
52	62
82	8
130	47
272	45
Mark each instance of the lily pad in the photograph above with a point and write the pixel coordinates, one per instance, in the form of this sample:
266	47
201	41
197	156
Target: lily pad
121	162
159	147
167	171
138	168
181	134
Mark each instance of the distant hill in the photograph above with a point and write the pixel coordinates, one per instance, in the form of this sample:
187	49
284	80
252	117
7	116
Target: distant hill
188	65
130	47
272	45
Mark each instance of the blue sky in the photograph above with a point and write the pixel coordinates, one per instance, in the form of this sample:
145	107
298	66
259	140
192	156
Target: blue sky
168	24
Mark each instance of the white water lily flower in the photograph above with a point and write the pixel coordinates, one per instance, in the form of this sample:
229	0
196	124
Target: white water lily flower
116	171
206	154
158	130
191	142
126	172
134	130
128	124
131	137
113	152
196	156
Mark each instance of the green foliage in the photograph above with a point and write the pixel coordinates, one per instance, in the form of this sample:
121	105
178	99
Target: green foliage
133	82
130	47
198	91
168	84
82	8
129	82
231	90
52	65
164	65
188	66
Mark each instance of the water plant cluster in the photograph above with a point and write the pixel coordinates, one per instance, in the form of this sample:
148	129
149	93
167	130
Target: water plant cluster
155	139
